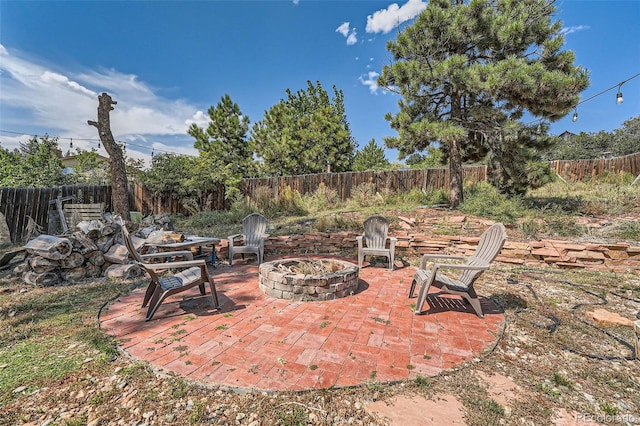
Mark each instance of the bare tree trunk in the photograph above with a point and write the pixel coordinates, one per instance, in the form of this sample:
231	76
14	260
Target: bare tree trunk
455	161
455	174
119	183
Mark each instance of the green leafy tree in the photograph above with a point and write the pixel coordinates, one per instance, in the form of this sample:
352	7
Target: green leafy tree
170	173
627	139
467	71
581	146
306	133
90	169
188	178
432	159
371	157
36	163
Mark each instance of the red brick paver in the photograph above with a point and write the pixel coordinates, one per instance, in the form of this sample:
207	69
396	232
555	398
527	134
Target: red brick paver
259	342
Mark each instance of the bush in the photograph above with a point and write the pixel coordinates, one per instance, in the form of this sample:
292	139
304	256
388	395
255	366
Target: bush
322	199
482	199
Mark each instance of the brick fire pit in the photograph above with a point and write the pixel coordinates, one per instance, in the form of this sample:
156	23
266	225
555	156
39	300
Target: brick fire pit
308	279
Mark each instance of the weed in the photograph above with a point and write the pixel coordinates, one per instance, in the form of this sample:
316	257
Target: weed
222	327
294	416
559	380
381	321
313	367
373	375
76	421
324	324
421	382
178	388
610	409
197	414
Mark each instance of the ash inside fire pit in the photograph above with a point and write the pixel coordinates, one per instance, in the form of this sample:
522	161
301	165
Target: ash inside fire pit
308	279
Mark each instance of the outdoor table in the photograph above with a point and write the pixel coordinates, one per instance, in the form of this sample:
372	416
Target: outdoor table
189	242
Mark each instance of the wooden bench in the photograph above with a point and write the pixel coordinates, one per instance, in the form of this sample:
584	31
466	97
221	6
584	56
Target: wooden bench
75	213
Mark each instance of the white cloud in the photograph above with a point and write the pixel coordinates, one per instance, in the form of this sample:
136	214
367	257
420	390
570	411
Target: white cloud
60	101
371	81
352	38
385	20
574	29
296	2
200	119
349	33
343	29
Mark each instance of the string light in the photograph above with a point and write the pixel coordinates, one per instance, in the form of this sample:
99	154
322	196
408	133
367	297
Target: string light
619	98
575	115
71	143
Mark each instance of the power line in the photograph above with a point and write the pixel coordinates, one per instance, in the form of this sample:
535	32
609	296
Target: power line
124	143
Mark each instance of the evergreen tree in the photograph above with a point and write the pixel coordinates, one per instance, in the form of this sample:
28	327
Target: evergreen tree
225	139
306	133
467	71
371	157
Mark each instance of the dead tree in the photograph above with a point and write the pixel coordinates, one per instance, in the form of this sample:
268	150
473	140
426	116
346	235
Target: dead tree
119	183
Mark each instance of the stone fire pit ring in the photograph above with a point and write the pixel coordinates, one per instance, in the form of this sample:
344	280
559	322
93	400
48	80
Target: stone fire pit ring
281	279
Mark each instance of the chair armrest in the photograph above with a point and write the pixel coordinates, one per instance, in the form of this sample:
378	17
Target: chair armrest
359	240
234	236
185	253
426	258
174	265
477	267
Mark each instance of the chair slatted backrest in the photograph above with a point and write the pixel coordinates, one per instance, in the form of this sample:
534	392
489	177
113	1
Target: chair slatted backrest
491	242
376	229
129	243
254	227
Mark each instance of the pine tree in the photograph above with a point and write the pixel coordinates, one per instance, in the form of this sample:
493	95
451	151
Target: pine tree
467	72
225	139
371	157
306	133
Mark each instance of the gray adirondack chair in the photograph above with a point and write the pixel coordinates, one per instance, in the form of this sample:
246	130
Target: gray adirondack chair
489	246
254	228
374	240
183	275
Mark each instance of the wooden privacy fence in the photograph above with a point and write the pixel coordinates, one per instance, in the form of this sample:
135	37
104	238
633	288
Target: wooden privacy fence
577	170
345	183
26	208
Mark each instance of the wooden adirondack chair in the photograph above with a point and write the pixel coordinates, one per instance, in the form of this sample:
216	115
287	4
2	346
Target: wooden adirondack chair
490	244
254	228
374	240
183	275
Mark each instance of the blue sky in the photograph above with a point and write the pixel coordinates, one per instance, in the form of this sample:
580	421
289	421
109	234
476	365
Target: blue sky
167	62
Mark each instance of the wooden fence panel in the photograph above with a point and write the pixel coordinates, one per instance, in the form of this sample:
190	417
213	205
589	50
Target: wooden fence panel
18	204
577	170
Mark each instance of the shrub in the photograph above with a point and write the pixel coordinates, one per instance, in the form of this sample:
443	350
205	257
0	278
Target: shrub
482	199
322	199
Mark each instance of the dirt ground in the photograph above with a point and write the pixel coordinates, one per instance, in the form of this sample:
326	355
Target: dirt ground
551	364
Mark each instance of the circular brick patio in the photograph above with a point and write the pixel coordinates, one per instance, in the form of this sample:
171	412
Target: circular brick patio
260	342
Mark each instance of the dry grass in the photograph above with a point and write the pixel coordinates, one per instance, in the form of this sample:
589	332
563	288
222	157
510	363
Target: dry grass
549	347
